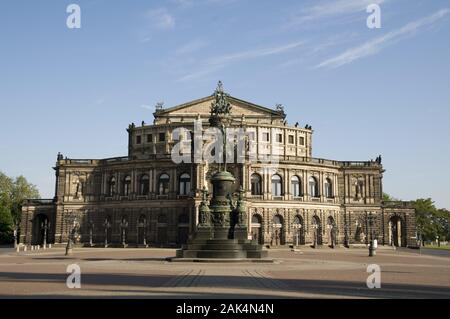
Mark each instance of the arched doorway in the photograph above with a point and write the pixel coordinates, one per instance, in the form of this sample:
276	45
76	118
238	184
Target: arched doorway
183	229
396	232
299	231
41	230
331	232
316	230
278	231
257	229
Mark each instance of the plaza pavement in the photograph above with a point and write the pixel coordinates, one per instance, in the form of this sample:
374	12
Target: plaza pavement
144	273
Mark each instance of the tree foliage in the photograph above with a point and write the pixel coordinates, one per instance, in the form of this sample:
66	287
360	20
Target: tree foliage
431	221
13	193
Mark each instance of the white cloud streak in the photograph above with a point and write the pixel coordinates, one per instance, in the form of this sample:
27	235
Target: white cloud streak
328	9
191	46
161	19
220	62
376	45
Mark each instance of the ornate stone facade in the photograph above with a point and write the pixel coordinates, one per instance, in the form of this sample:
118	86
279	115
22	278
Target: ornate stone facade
147	199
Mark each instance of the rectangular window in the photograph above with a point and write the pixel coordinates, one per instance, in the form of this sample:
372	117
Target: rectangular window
266	137
162	137
279	138
291	139
251	136
149	138
138	139
301	140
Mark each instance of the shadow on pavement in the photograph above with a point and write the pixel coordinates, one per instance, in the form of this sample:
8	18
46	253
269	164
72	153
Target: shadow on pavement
266	287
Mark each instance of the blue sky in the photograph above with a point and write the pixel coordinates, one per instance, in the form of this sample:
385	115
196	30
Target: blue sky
365	91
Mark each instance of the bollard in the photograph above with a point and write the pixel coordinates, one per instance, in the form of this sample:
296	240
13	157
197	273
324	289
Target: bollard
25	248
49	246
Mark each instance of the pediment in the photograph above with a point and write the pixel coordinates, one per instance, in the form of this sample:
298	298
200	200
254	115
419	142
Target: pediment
202	107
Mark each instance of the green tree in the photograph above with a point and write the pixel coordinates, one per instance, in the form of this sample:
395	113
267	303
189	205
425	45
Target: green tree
427	219
443	222
13	193
21	191
6	186
6	225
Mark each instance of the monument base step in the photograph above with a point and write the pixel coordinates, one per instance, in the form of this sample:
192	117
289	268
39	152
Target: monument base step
220	260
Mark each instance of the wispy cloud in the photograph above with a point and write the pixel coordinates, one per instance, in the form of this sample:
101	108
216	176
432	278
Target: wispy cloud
217	63
191	46
376	45
161	18
190	3
328	9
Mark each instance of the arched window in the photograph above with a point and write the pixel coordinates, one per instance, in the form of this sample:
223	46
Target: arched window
256	184
313	187
185	184
296	186
126	185
256	219
277	220
328	188
277	189
163	184
112	186
144	185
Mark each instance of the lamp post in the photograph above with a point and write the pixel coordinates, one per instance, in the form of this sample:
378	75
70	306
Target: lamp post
107	225
372	246
72	220
15	236
297	228
315	227
332	236
124	226
91	233
346	243
145	232
44	226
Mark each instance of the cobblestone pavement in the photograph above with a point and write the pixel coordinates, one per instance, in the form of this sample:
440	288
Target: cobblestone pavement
144	273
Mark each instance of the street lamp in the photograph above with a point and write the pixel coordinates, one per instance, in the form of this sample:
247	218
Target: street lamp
346	243
72	220
91	233
297	228
332	237
315	227
45	225
107	225
372	246
15	236
145	232
124	226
